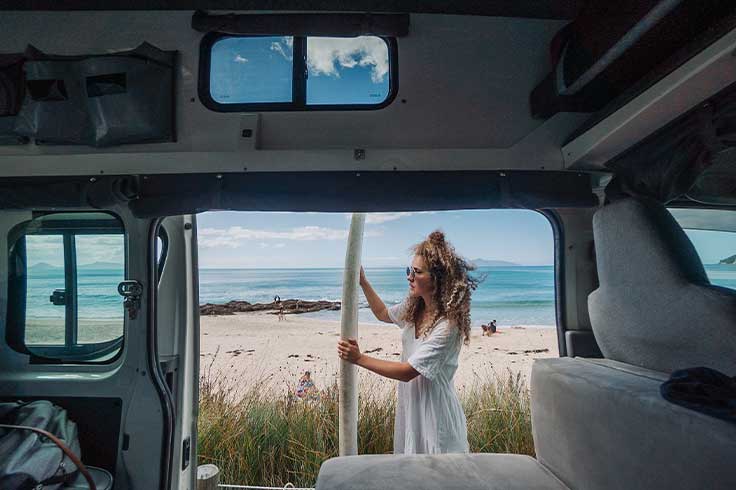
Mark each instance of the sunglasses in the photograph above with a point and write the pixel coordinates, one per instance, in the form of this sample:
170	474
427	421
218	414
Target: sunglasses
412	271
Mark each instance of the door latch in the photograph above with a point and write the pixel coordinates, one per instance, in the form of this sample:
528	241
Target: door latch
131	291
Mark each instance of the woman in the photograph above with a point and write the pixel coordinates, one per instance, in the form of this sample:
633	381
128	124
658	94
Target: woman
435	321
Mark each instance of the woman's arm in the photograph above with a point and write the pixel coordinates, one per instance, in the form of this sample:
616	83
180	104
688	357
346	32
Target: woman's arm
349	351
377	306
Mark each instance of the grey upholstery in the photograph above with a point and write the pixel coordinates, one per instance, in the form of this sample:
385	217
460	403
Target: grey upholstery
436	472
655	307
602	425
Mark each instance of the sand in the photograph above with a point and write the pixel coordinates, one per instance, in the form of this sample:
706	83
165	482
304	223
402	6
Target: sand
248	347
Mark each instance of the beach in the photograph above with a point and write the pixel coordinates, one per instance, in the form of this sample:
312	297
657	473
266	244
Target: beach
250	347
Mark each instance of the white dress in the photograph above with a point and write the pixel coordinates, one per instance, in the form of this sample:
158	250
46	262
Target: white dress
429	417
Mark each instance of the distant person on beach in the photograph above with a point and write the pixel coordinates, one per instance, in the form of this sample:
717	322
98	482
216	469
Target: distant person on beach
489	329
280	306
306	388
435	321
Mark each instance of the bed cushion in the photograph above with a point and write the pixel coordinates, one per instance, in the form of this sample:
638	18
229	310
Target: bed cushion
436	472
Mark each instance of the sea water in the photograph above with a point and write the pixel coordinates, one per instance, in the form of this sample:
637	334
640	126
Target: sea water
518	295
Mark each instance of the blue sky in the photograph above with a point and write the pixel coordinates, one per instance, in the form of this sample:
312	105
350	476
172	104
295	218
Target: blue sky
340	70
302	240
244	239
229	239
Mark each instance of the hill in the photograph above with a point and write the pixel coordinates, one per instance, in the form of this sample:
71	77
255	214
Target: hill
493	263
44	266
729	260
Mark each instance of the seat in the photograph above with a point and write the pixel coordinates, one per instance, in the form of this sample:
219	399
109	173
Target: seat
602	424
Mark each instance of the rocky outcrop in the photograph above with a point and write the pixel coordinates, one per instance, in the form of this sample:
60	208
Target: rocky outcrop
729	260
290	307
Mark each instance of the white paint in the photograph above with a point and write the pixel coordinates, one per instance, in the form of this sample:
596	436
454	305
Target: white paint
348	392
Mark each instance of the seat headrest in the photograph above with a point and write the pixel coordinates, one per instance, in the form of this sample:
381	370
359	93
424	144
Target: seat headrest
639	240
655	306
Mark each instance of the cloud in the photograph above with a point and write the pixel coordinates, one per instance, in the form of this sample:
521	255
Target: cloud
240	59
378	218
326	55
285	47
235	236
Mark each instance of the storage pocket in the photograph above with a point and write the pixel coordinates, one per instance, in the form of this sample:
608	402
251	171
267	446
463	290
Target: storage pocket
99	101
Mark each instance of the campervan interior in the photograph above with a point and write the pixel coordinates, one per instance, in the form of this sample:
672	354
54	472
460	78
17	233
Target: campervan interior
616	120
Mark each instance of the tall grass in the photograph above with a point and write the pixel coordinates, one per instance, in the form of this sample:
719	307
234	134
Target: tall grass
256	438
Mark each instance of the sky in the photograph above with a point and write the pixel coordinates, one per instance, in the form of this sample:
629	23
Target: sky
232	239
340	70
302	240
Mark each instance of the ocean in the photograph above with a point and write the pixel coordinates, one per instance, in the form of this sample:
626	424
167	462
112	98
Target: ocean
518	295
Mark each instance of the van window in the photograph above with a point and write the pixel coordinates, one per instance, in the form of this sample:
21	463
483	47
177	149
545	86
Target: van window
713	233
64	270
282	73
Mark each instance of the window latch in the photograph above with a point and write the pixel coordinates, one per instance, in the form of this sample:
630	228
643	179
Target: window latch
131	292
58	297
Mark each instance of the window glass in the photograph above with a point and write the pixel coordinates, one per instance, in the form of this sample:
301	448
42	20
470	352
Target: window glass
347	70
100	269
44	319
713	233
296	73
63	301
246	70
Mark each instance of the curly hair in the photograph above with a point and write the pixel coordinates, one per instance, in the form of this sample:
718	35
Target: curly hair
452	285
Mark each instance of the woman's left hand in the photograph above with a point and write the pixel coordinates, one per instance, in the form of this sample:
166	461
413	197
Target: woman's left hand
348	350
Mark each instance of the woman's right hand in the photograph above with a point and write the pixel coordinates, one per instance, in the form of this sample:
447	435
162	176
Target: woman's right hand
363	280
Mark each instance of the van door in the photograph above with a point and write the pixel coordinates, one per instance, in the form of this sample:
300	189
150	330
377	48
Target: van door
78	290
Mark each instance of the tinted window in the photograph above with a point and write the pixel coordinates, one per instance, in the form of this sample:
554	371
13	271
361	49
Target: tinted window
64	273
347	70
713	233
297	73
248	70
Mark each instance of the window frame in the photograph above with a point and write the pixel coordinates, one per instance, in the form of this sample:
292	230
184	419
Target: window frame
299	79
70	352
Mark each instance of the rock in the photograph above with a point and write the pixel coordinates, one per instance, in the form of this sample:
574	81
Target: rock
289	306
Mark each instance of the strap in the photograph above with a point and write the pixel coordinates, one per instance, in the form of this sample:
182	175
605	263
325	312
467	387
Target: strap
83	469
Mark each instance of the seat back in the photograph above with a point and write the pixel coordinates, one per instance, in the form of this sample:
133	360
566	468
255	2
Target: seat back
655	307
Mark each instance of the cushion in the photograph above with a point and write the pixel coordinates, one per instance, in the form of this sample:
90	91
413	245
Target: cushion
436	472
603	425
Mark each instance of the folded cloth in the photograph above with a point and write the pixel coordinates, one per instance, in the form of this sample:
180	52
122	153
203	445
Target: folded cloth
702	389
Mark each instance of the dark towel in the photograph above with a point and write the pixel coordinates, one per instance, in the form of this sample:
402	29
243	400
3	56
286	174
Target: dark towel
704	390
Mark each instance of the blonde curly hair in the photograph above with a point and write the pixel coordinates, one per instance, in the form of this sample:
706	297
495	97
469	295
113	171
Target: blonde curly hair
452	285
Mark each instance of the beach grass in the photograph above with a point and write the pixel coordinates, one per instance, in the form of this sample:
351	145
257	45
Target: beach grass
256	438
